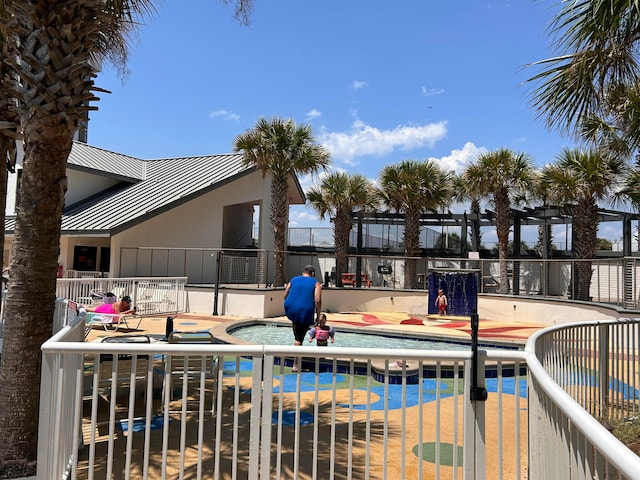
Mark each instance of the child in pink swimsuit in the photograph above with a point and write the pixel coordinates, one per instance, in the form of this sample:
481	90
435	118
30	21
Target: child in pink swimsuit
322	332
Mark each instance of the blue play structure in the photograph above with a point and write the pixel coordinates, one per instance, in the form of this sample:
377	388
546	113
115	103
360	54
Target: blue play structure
460	287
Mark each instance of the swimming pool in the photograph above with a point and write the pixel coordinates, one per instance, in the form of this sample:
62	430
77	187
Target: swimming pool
274	334
278	332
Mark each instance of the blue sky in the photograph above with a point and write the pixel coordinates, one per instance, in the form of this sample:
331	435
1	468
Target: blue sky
379	81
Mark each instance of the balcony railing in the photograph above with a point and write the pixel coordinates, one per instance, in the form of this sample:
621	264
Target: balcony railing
354	413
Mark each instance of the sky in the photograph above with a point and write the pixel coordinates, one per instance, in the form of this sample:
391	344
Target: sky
379	81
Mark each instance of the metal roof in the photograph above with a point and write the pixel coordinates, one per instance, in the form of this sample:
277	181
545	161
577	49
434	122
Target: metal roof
103	162
167	183
148	187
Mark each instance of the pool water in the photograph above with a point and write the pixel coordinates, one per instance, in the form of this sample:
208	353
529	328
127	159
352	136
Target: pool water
280	335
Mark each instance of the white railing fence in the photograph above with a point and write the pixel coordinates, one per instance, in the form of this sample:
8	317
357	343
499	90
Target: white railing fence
575	370
597	365
151	295
353	414
117	410
613	280
61	381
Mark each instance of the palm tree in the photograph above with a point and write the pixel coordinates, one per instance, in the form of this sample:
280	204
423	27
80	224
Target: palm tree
50	90
338	196
582	178
629	192
281	148
464	192
630	188
9	135
412	188
597	52
503	177
49	53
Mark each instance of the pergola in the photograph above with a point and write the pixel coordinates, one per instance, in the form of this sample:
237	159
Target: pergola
529	216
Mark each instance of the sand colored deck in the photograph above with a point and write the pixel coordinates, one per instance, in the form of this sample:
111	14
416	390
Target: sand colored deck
404	428
447	326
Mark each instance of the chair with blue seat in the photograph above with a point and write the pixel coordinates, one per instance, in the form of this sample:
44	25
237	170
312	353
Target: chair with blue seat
124	369
191	367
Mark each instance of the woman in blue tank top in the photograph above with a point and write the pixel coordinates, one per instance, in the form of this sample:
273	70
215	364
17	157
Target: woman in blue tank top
302	297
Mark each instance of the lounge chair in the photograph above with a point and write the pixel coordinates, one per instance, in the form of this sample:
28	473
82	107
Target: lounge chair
191	368
111	321
123	368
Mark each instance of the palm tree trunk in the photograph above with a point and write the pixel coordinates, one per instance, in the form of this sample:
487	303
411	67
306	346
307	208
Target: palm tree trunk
503	225
279	217
585	221
412	246
8	138
342	229
7	145
475	225
30	300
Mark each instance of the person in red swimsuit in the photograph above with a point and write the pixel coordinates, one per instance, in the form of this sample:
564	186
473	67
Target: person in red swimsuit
441	303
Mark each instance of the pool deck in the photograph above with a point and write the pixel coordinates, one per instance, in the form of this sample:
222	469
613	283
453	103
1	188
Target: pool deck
433	325
449	327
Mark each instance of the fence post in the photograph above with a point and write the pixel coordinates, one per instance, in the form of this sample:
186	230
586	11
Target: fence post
264	385
474	452
603	370
217	287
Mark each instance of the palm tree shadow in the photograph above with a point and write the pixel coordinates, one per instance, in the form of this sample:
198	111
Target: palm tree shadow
331	437
327	422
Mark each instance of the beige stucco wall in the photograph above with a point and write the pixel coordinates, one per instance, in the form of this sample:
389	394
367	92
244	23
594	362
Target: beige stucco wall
68	243
268	303
81	185
545	311
194	224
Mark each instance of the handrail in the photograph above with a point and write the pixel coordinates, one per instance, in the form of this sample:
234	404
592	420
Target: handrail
625	461
551	409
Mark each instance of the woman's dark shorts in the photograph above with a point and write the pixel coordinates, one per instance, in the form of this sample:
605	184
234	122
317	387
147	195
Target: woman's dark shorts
300	331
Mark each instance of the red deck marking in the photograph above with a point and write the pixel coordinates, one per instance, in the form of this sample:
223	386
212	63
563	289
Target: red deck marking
412	321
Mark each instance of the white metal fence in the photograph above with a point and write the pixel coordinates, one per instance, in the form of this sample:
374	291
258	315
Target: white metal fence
576	372
613	281
117	410
152	295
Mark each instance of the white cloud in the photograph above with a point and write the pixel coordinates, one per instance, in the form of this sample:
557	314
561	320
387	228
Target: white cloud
489	237
610	231
363	139
459	159
226	114
313	113
519	141
304	216
430	92
358	84
307	180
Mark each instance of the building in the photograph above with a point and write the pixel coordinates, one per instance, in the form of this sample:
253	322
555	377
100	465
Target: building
115	201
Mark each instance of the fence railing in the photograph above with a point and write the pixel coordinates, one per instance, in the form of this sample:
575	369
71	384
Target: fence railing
577	372
355	413
597	365
152	295
613	281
